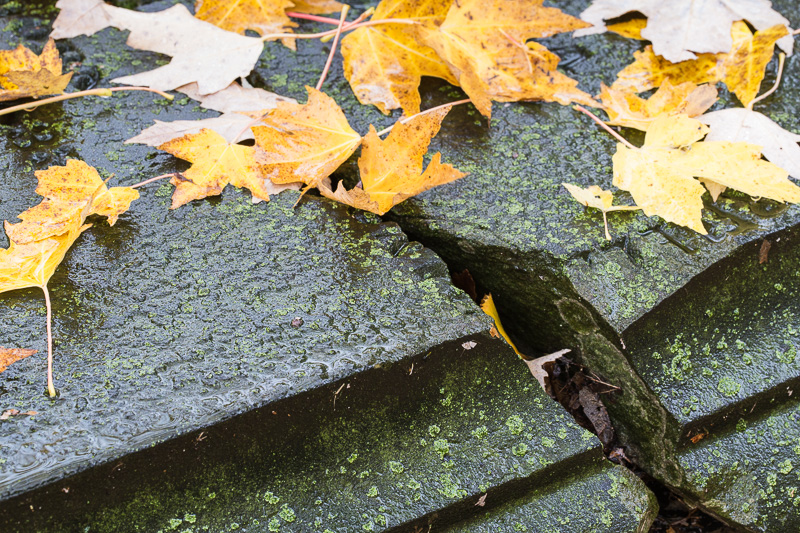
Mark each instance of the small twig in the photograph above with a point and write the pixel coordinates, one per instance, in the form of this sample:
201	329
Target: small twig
605	126
30	106
324	74
431	110
350	25
151	180
354	26
781	60
50	388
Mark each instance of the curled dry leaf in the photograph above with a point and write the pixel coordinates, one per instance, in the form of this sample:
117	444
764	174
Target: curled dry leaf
597	198
191	42
12	355
385	63
23	74
215	163
629	110
688	26
304	142
483	44
742	70
232	102
660	175
391	170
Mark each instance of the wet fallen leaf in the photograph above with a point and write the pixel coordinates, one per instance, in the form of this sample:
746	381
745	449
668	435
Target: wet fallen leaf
484	46
597	198
629	110
488	307
686	27
262	16
23	74
744	125
391	170
12	355
536	366
660	175
8	413
742	70
304	142
215	163
317	7
233	102
385	63
632	29
191	42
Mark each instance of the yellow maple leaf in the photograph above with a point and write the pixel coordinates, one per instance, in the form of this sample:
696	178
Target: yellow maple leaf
384	64
23	74
627	109
742	69
215	164
661	174
391	170
598	198
262	16
304	142
12	355
317	7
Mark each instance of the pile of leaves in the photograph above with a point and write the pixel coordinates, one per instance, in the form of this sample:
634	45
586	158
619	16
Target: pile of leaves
486	49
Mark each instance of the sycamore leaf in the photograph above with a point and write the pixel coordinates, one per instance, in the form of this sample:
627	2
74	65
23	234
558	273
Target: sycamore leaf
232	101
686	26
391	170
12	355
317	7
742	70
33	264
597	198
304	142
627	109
482	43
488	307
191	42
660	175
744	125
385	63
262	16
23	74
215	163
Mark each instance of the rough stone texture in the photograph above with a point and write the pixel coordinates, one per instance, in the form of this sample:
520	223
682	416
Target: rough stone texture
573	504
174	320
408	448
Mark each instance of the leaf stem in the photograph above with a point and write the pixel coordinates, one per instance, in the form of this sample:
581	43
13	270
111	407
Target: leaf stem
315	18
431	110
68	96
605	126
781	60
352	26
50	388
151	180
324	74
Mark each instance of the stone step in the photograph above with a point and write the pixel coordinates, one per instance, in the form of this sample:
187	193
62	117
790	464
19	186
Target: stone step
401	449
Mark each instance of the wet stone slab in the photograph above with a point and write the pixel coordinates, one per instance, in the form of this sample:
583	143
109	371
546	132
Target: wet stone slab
412	449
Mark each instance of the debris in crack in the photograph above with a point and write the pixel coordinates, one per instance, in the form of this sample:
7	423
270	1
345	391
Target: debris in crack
464	281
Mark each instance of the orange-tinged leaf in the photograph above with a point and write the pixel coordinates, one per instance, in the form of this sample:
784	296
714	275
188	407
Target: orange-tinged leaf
317	7
33	264
23	74
12	355
384	63
482	43
660	175
742	70
627	109
262	16
488	307
391	170
215	163
304	142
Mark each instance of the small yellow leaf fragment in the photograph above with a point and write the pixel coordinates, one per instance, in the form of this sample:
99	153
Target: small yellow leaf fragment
632	29
488	307
12	355
597	198
391	170
23	74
